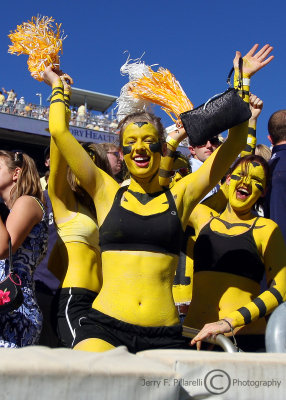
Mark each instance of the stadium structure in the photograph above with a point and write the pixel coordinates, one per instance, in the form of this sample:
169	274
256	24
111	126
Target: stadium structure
27	129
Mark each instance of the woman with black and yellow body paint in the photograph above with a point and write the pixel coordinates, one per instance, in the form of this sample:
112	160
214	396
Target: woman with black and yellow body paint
76	258
183	282
140	226
232	251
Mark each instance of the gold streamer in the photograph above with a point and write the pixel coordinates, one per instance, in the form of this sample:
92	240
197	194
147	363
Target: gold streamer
162	88
40	41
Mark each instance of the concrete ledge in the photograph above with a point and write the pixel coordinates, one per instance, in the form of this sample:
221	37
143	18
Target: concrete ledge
36	372
227	375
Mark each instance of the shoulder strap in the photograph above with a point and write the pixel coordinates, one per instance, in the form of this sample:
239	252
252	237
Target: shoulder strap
39	202
119	194
41	205
10	257
170	199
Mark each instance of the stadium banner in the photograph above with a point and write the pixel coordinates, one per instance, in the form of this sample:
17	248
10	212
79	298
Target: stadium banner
40	127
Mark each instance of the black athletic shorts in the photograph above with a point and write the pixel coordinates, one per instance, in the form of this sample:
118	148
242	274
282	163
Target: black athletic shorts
135	338
73	304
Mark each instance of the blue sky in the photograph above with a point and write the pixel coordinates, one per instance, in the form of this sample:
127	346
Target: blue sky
196	40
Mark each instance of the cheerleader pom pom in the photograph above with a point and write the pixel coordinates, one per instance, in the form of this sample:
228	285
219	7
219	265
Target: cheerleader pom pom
41	41
162	88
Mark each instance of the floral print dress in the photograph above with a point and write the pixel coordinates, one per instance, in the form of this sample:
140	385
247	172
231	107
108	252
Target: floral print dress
22	327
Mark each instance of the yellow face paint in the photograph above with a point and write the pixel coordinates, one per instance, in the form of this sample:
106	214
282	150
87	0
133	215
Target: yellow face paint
246	186
139	139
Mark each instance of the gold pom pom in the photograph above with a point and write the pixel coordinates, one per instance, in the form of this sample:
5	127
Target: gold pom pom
163	89
40	41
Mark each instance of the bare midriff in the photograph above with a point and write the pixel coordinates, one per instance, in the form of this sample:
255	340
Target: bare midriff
137	287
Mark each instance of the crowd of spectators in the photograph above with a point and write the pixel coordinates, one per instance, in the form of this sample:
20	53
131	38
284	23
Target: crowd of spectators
80	117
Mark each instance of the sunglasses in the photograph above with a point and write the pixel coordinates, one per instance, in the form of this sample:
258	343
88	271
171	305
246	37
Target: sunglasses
213	141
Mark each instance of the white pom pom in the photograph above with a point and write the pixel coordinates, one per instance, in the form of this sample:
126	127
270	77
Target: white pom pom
126	103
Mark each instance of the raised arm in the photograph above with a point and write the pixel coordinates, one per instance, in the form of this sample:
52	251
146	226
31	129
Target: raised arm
256	106
196	185
100	186
61	195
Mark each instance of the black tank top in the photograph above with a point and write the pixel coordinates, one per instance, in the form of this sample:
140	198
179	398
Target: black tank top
124	230
238	255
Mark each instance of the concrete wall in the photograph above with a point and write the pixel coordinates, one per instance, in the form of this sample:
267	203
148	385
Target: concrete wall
40	373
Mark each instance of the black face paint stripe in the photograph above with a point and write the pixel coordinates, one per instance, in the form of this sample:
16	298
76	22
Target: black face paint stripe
235	177
259	187
155	147
126	150
255	164
140	124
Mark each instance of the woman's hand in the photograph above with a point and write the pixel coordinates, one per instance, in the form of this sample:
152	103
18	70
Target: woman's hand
67	81
179	132
255	105
253	62
51	76
212	330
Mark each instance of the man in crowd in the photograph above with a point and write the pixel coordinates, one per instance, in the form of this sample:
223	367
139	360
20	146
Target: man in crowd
199	154
11	95
275	202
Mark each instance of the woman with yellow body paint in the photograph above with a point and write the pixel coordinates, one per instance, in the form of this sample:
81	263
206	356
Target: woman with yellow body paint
232	251
183	282
141	226
76	258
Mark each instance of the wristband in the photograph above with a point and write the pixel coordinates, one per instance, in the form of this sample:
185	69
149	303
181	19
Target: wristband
172	142
246	81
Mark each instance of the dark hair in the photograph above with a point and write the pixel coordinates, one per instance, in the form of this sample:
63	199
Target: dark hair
47	153
142	116
277	126
28	181
99	157
245	161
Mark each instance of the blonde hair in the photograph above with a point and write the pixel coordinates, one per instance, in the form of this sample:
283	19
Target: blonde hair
28	182
263	151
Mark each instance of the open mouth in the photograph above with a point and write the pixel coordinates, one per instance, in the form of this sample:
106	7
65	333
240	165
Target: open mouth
142	161
242	193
